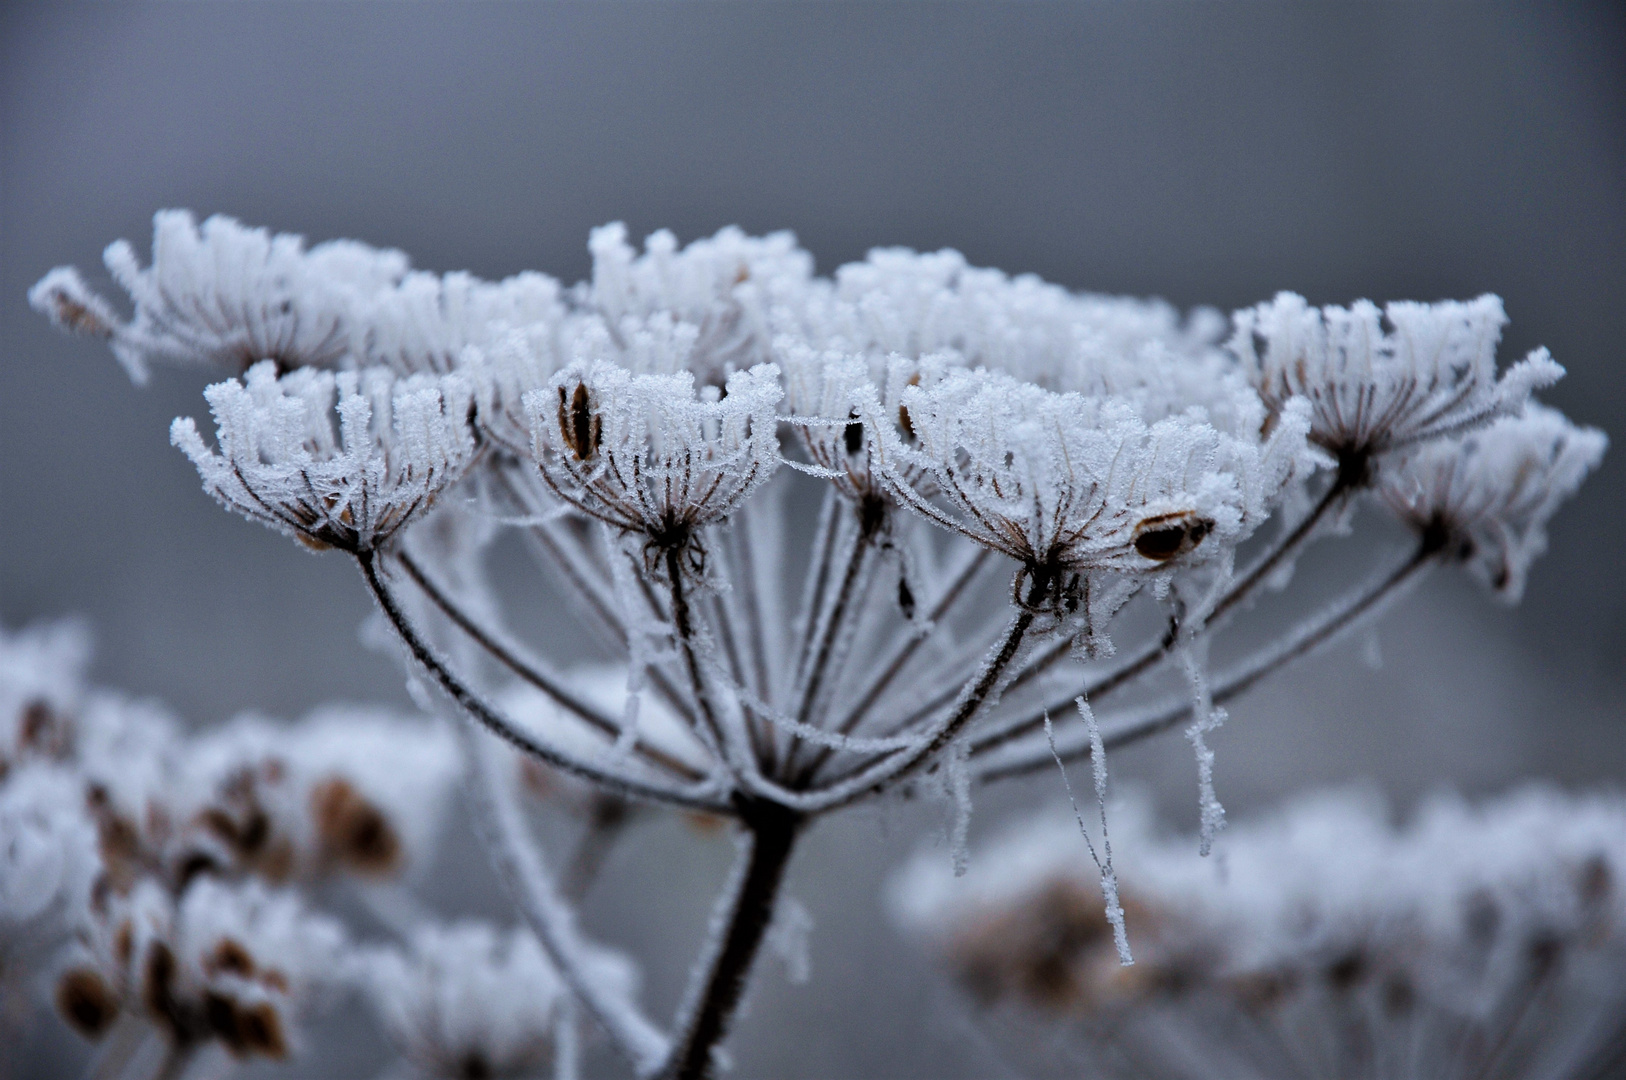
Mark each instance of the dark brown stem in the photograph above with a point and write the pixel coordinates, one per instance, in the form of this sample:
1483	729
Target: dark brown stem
772	836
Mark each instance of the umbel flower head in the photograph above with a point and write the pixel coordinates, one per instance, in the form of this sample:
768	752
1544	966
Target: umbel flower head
649	453
1480	940
1072	483
466	1001
398	444
1488	495
1384	380
230	963
224	295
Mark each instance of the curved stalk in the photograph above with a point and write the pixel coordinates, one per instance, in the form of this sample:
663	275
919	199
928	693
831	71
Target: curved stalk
1364	603
769	839
693	798
518	862
509	658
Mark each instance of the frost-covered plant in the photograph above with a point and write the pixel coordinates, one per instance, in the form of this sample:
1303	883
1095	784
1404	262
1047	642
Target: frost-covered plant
1475	940
1007	469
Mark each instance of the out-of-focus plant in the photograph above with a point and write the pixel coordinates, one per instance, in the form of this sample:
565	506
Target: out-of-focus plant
1005	471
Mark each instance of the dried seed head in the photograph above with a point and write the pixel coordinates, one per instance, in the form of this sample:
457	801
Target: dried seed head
579	426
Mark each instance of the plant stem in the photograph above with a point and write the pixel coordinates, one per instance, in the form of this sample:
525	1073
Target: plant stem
476	707
772	833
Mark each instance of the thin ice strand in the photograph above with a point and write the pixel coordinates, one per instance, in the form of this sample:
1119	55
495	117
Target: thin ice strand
1109	877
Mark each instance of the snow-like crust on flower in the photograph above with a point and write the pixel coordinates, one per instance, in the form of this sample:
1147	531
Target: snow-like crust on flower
718	296
467	1000
225	295
347	788
1325	914
918	304
1385	380
48	856
399	443
1078	483
236	963
1491	493
42	670
425	323
651	453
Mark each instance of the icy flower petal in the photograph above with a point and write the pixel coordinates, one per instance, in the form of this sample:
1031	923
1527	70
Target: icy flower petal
1489	494
399	443
1380	381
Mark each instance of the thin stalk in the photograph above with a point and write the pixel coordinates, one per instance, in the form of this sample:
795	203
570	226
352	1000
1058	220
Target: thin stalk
891	767
518	861
177	1056
505	655
770	837
683	629
606	821
1339	619
501	726
1158	650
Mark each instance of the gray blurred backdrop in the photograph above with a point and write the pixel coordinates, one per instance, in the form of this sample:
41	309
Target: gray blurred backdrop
1204	153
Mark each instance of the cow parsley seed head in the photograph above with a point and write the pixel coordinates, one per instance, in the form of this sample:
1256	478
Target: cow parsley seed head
425	323
48	845
42	670
227	296
467	1000
1070	484
724	289
651	454
342	460
237	964
1488	495
1385	380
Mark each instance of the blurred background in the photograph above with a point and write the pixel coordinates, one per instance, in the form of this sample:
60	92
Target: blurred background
1207	154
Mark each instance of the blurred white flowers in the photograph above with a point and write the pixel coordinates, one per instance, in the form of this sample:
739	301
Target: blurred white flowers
1027	497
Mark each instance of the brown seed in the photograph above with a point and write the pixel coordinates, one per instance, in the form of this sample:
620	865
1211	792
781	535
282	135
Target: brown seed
259	1031
353	830
231	957
577	424
86	1002
1166	536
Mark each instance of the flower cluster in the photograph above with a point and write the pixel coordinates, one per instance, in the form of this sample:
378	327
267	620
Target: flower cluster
1006	472
1475	940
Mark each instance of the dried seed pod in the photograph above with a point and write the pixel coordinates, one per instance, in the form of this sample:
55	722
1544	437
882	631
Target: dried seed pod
579	426
1167	536
86	1002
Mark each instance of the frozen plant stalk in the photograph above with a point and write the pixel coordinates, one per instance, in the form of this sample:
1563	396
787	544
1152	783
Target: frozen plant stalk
1002	467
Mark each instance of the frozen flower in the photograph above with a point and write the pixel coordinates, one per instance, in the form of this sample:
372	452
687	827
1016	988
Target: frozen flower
224	295
1385	380
399	443
347	789
466	1002
230	963
650	454
48	855
717	295
1481	940
1066	484
427	322
42	672
1487	496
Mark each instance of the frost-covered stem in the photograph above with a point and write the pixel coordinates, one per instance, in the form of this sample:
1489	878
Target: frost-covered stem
1353	610
683	629
518	862
608	817
901	657
476	707
1159	649
529	672
771	835
128	1037
986	682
